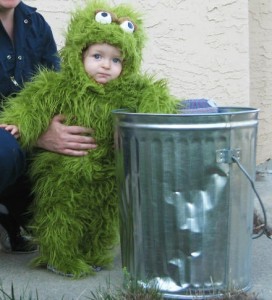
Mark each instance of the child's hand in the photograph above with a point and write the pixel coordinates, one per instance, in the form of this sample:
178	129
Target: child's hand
14	130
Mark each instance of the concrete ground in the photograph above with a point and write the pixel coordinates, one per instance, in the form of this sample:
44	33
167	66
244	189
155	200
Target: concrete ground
14	269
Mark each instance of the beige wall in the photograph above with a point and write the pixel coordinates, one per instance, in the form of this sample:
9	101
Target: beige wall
202	47
260	16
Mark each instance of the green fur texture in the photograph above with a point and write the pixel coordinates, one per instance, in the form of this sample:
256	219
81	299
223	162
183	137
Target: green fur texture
75	210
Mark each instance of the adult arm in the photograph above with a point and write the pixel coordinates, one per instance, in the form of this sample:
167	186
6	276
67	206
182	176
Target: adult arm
60	138
48	56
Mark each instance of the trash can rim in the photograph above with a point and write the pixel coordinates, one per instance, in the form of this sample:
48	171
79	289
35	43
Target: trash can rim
222	110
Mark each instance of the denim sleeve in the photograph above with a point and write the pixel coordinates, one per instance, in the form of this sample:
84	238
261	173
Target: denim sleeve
49	53
40	44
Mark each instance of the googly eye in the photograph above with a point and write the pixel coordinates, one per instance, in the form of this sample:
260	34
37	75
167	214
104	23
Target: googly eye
127	26
103	17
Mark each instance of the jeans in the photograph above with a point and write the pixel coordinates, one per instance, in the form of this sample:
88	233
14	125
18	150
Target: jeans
12	160
14	185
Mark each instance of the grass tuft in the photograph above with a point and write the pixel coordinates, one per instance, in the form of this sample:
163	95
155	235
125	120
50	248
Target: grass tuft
130	291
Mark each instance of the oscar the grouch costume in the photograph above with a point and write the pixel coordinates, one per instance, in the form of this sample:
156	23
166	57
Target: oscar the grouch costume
75	220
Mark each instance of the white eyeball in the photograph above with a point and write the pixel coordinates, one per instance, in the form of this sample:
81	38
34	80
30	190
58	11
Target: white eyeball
127	26
103	17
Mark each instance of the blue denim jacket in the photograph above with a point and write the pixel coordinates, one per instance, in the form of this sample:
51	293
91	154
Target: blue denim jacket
34	45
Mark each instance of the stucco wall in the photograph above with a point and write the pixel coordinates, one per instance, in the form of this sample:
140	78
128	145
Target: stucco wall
260	17
202	47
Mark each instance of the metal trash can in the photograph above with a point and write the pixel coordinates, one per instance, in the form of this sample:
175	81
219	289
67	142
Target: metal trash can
186	209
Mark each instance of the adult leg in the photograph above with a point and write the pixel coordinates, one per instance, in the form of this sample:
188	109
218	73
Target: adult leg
12	160
13	197
17	199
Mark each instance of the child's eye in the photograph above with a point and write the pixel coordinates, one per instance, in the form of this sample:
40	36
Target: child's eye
116	60
103	17
127	26
97	56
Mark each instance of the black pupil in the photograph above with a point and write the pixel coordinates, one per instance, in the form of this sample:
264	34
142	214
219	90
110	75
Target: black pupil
104	14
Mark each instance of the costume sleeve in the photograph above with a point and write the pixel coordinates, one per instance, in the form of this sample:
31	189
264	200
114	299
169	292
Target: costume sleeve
156	98
32	109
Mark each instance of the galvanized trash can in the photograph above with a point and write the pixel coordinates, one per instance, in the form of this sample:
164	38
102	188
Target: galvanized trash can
186	209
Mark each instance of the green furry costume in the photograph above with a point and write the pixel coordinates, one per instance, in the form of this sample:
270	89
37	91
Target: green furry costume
75	218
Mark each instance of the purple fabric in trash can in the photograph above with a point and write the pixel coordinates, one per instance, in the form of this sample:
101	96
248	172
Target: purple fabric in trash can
198	106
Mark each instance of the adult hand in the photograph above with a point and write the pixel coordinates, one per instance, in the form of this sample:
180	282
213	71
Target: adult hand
12	129
68	140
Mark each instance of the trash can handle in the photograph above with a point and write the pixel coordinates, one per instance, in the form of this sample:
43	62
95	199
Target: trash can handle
264	230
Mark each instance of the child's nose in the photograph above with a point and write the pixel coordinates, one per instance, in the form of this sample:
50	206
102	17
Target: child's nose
106	63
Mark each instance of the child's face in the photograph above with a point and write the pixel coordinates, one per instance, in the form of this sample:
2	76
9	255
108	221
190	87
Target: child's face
102	62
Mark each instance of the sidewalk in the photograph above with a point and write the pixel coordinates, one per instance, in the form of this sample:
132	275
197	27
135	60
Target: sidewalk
14	268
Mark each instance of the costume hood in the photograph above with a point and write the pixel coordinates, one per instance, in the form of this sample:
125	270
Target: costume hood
98	22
